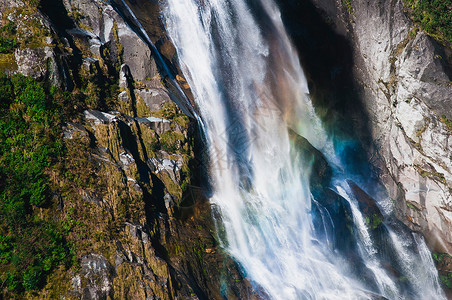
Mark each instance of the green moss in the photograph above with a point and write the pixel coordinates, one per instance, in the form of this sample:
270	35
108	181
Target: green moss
75	14
100	91
127	284
439	257
433	175
373	221
446	280
150	140
412	34
142	109
447	121
119	46
411	206
171	112
170	141
8	63
172	188
177	250
31	33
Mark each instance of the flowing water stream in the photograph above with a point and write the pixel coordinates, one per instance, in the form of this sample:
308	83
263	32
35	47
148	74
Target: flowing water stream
291	241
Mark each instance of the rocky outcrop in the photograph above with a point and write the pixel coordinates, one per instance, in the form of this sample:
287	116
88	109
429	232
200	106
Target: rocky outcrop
154	253
404	83
103	29
94	276
166	248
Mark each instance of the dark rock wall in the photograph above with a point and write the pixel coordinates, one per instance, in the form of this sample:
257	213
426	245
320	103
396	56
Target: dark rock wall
398	100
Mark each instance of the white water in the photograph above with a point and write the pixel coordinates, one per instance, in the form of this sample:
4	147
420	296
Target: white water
249	88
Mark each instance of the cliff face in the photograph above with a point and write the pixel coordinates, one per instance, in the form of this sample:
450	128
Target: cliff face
402	78
125	190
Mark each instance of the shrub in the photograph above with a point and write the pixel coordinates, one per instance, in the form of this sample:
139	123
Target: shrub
31	246
170	141
7	45
7	39
6	91
32	278
33	95
434	16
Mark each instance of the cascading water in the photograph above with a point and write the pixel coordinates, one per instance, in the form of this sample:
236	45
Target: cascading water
249	88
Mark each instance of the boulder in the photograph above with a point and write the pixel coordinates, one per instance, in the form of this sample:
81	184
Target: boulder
154	98
157	124
99	117
33	62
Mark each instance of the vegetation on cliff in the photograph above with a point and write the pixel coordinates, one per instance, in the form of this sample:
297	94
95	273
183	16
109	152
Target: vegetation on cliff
434	16
48	186
32	243
63	199
43	224
96	195
7	40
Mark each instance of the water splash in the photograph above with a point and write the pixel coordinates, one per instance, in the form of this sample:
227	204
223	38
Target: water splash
250	88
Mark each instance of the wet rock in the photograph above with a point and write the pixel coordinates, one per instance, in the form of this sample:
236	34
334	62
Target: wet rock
367	205
405	90
320	170
333	211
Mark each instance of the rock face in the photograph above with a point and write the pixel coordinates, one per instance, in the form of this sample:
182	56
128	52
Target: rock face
140	226
405	86
104	28
155	254
94	276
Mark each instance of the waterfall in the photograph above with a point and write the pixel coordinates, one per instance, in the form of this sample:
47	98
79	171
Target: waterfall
291	241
